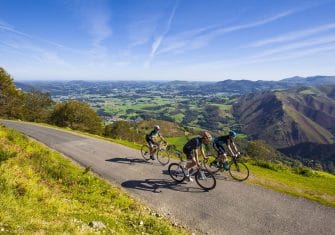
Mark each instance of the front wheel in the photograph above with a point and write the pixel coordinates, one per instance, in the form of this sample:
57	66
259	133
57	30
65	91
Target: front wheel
238	170
176	172
163	157
205	179
145	152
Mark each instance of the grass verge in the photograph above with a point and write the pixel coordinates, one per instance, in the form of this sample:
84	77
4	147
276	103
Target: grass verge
41	192
319	186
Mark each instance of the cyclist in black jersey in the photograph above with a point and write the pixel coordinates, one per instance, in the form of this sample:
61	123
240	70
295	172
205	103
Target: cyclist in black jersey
218	143
191	149
150	138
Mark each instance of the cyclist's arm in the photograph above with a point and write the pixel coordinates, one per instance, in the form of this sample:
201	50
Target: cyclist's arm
229	147
234	148
161	137
203	152
196	156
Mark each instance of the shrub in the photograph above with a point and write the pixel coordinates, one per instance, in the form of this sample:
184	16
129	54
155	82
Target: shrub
269	165
304	171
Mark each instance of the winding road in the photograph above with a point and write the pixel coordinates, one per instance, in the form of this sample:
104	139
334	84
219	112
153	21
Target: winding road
231	208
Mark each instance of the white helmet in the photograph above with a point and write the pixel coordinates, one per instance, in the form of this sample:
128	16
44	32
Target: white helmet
156	127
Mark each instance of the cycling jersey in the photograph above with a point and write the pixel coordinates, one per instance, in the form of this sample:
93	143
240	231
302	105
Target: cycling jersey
191	145
150	137
225	139
154	133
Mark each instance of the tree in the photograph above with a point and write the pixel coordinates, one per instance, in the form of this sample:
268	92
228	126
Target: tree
124	130
11	100
78	116
38	106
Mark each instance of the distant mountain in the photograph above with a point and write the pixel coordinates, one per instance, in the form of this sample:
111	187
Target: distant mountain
288	118
247	86
310	81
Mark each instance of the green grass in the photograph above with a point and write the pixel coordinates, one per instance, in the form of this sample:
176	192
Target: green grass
177	141
320	186
41	192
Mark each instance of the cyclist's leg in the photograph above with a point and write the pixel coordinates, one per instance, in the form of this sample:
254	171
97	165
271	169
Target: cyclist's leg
189	164
151	144
224	159
222	156
220	151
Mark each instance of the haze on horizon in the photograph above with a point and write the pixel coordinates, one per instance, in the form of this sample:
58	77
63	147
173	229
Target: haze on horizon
166	39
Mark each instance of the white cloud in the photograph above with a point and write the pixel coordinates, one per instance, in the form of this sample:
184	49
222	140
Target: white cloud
293	35
96	16
157	41
201	37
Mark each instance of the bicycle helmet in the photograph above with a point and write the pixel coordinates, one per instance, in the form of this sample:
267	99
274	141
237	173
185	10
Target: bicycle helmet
206	136
232	133
157	128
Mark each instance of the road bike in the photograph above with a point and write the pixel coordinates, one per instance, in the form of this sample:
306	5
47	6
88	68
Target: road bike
236	168
161	152
203	177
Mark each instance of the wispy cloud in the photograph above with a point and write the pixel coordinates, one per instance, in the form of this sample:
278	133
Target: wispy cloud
199	38
297	45
158	40
293	35
292	51
95	16
29	46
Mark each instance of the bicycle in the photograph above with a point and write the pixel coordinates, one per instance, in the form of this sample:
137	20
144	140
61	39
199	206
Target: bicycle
203	177
160	150
236	168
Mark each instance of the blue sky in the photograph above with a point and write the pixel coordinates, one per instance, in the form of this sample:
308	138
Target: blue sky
204	40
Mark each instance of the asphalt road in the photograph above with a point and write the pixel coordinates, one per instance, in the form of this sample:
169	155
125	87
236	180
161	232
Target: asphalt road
231	208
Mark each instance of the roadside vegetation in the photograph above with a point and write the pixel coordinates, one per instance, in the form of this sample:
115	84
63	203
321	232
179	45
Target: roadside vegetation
41	192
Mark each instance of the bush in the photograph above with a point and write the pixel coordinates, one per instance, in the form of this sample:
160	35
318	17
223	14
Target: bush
269	165
304	171
77	116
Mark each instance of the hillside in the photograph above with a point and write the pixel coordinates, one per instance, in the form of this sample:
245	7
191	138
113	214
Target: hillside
287	118
313	155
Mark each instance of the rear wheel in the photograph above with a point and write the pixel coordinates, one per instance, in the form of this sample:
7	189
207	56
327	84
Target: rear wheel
205	179
163	157
210	166
238	170
176	172
145	152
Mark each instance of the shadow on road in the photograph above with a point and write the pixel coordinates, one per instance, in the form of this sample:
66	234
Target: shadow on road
125	160
155	185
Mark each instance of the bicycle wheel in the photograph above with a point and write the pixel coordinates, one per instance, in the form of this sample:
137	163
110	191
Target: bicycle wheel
238	170
209	166
205	179
163	157
176	172
145	152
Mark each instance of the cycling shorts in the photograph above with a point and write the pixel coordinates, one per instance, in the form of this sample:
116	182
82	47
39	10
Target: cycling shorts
219	148
188	152
150	141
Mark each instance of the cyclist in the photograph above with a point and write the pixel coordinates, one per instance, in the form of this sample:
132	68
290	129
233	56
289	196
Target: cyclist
150	138
191	150
218	143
